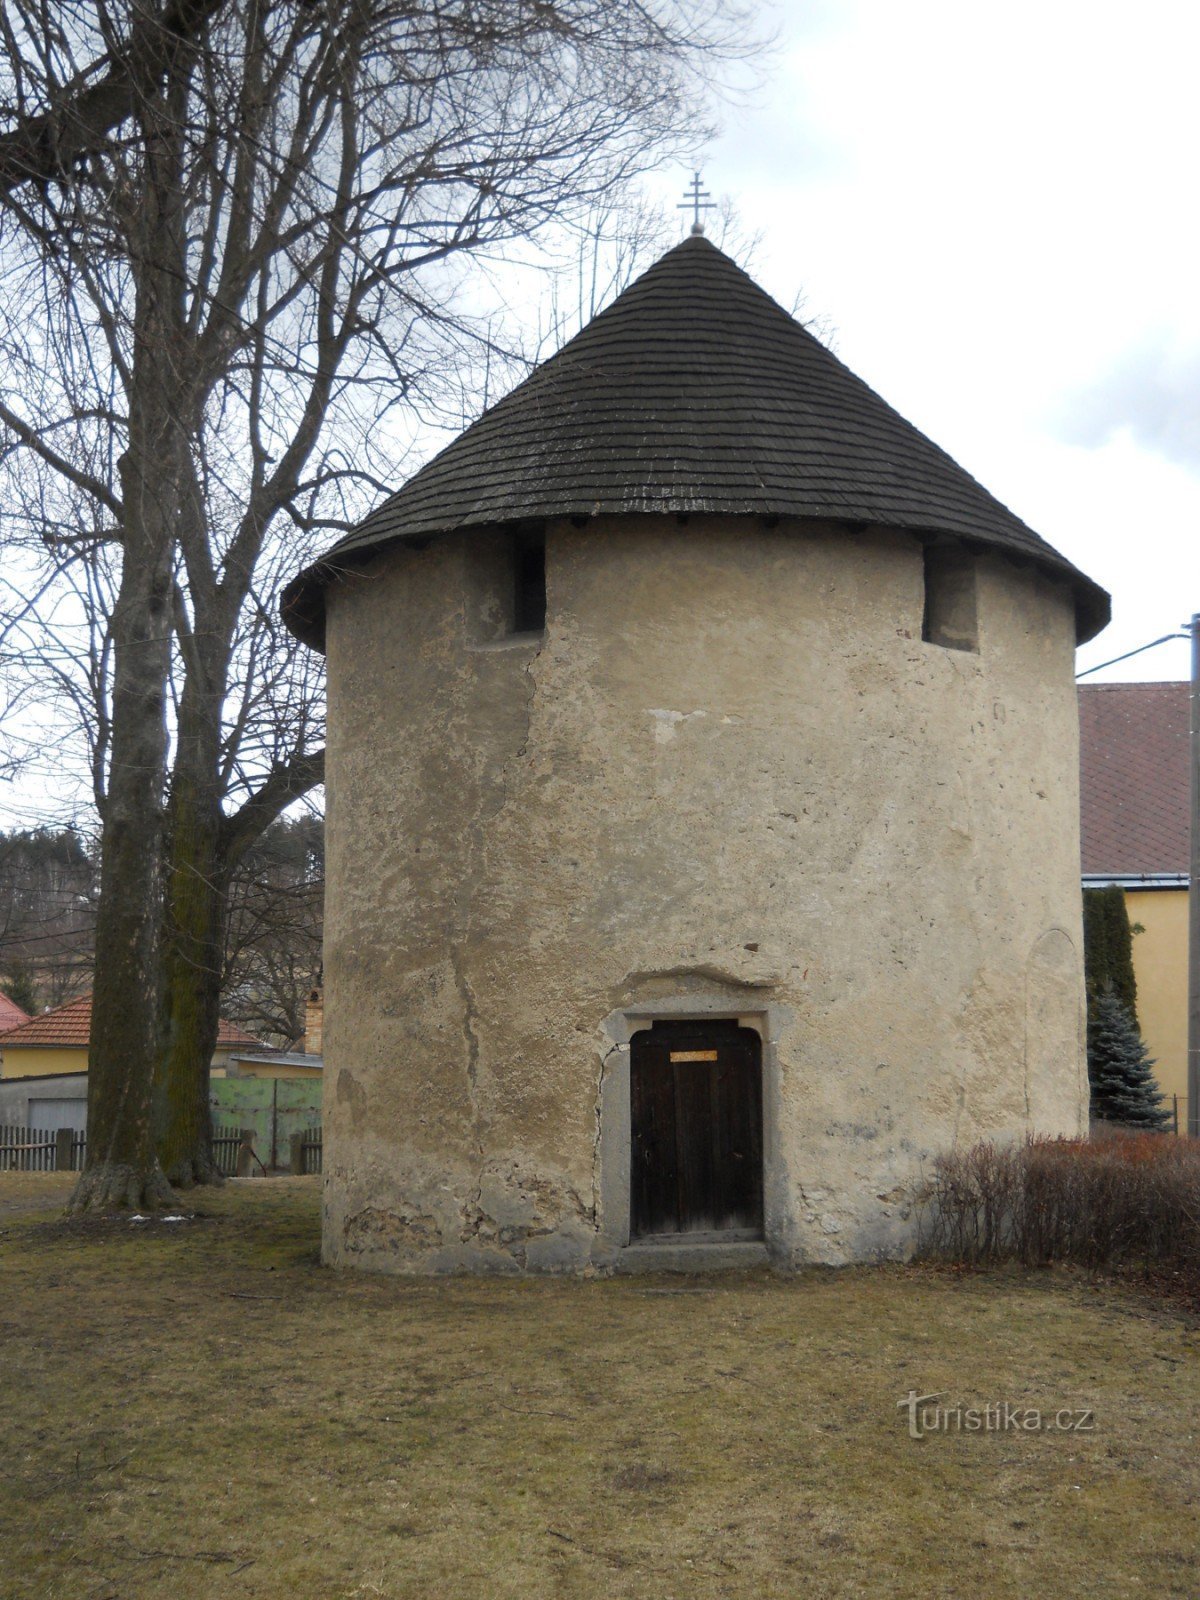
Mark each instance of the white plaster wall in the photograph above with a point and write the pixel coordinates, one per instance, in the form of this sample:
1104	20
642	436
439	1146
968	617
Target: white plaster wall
731	778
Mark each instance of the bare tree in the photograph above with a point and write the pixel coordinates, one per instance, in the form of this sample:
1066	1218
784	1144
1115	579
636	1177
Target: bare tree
273	930
78	113
249	743
47	915
230	235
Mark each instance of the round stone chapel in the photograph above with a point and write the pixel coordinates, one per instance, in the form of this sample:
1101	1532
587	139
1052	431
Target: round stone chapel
703	815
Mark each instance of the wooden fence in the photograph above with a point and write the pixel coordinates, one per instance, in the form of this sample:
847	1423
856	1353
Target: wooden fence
225	1146
41	1150
236	1154
28	1150
309	1147
48	1150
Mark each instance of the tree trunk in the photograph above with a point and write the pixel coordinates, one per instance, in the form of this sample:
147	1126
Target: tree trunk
196	898
122	1166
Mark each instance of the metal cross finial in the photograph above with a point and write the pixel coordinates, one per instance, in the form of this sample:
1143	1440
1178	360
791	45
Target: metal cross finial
697	200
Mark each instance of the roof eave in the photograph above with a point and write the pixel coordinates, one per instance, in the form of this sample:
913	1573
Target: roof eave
1135	880
302	603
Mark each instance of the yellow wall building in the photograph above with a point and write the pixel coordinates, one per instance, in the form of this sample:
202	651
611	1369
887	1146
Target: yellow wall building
278	1064
1134	795
56	1042
40	1061
304	1062
1160	967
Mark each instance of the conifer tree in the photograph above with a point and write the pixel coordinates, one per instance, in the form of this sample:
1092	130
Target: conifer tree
18	986
1108	946
1120	1068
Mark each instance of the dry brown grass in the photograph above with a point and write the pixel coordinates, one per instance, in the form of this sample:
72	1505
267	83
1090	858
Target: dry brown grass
199	1408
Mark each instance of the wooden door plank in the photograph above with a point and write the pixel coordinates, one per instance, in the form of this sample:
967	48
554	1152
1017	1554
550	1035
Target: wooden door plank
696	1129
654	1182
738	1126
698	1178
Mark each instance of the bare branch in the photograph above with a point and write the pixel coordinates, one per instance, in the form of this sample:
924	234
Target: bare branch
36	441
45	147
284	785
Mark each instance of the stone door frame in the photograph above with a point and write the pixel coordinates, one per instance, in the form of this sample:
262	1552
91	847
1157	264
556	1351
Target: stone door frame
613	1192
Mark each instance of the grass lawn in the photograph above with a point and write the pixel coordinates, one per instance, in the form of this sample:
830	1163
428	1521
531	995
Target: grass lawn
199	1409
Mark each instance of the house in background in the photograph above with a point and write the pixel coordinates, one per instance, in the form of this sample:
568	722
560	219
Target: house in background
1134	803
276	1092
43	1065
11	1015
257	1060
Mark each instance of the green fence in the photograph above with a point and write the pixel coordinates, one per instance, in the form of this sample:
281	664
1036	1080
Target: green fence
275	1108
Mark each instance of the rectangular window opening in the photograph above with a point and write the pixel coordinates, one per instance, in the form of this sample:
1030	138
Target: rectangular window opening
529	583
950	613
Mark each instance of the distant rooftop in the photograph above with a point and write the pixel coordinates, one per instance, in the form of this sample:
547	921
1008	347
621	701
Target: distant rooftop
11	1014
282	1058
1133	774
71	1026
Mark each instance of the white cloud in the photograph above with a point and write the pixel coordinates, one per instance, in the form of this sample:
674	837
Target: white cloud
1151	394
993	205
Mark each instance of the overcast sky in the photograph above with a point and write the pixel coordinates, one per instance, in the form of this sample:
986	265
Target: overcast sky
995	208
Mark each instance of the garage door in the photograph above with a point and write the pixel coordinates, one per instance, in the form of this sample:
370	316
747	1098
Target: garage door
47	1116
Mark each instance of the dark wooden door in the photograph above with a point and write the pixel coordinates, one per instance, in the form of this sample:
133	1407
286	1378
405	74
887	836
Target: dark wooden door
696	1115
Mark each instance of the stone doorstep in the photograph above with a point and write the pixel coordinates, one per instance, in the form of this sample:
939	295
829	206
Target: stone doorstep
709	1253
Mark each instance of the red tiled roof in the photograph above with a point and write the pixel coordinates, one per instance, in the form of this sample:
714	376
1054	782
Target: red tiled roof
67	1025
1133	773
228	1033
10	1013
70	1026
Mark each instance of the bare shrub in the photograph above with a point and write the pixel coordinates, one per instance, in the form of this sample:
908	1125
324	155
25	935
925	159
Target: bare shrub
1099	1202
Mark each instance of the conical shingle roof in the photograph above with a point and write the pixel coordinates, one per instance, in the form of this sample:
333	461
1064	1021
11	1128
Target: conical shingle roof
693	392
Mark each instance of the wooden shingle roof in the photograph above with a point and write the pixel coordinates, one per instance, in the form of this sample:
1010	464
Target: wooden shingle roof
1133	778
693	392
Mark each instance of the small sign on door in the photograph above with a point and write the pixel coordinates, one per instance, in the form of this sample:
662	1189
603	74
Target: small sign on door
693	1055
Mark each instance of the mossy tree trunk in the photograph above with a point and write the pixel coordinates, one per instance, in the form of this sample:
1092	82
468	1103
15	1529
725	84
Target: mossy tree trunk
195	923
122	1168
275	192
204	846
